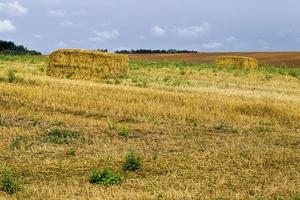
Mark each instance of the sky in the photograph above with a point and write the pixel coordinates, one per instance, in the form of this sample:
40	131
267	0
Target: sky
201	25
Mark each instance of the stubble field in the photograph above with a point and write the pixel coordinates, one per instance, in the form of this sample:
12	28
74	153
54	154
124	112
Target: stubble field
201	131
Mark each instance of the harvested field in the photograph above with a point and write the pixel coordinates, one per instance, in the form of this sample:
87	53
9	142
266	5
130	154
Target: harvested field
280	59
200	132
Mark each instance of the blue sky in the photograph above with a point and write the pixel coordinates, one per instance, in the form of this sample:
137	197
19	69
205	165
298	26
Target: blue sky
203	25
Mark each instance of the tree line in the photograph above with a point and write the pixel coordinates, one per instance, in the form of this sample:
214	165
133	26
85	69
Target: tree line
10	48
150	51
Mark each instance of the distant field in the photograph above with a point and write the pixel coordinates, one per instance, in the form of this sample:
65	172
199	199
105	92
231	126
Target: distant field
282	59
200	131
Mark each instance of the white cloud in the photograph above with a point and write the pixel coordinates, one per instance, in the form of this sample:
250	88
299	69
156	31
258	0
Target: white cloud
158	31
102	36
38	36
67	23
58	13
12	8
231	39
194	31
6	26
189	31
212	45
61	44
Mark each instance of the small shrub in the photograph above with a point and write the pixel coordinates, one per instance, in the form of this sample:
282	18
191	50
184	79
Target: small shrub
105	177
11	76
9	184
132	162
61	136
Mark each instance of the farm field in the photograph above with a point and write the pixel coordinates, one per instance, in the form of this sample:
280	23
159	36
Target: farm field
200	131
280	59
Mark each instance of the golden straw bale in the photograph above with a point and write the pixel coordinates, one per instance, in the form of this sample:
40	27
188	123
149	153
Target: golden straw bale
237	61
87	64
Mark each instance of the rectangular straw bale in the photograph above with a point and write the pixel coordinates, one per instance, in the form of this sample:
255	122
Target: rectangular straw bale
87	64
236	61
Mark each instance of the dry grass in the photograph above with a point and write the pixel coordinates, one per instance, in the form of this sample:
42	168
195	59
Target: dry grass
200	134
85	64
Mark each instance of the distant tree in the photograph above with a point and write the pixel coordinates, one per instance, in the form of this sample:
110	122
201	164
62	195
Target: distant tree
12	49
149	51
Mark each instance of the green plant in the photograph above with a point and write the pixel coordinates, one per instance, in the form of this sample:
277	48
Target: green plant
132	161
8	183
111	126
4	123
71	152
61	136
124	130
105	177
225	127
16	143
296	196
11	76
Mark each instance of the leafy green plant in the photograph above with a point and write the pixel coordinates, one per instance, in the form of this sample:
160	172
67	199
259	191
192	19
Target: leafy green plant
8	183
61	136
132	161
105	177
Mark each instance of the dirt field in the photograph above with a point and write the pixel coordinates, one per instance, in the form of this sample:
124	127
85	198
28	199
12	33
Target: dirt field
282	59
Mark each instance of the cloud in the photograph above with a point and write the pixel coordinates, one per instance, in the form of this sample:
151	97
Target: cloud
189	31
67	23
61	44
38	36
58	13
212	45
194	31
12	8
231	39
158	31
7	26
102	36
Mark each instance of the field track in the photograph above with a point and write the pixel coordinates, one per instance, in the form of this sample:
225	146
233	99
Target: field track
291	59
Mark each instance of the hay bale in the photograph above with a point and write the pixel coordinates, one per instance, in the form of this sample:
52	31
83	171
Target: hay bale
86	64
237	61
